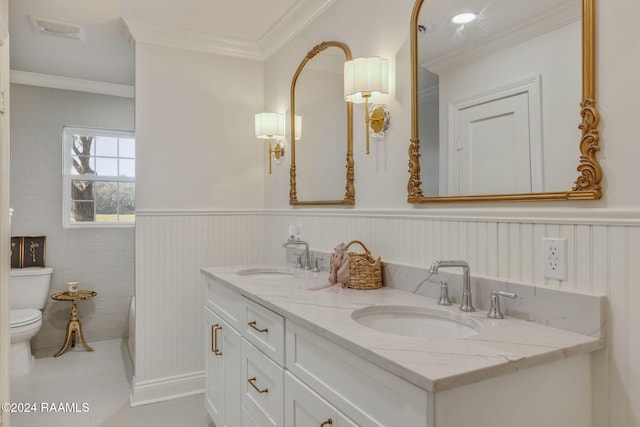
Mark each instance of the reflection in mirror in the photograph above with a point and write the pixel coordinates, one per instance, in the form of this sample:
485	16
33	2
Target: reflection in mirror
317	97
496	101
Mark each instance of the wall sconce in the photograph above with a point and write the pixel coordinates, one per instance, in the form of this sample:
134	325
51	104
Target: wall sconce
271	126
363	78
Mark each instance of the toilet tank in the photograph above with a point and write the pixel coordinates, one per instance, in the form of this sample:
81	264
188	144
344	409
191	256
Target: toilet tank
30	287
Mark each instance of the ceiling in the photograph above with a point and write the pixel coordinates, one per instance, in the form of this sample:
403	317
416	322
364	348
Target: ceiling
495	19
245	28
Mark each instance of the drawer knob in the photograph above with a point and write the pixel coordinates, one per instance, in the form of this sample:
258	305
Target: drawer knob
326	423
253	325
214	340
252	381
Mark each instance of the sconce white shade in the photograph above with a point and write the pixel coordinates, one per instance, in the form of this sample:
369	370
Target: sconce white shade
269	125
364	77
298	127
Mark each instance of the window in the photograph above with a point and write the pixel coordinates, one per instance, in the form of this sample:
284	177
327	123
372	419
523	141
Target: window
99	177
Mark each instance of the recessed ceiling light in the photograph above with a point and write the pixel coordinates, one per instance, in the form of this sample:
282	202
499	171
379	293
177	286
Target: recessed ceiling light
464	18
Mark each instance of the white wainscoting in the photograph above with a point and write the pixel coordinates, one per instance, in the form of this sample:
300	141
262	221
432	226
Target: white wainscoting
603	256
171	247
603	252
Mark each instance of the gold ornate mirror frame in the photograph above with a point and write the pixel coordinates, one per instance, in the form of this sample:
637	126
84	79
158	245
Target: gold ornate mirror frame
587	185
350	193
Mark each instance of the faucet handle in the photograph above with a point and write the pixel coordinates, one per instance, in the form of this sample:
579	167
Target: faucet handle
316	266
444	294
298	263
494	311
434	267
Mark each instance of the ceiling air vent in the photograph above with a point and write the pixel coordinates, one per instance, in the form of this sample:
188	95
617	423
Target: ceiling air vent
58	28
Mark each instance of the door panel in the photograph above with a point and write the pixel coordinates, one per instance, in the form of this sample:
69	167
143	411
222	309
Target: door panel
493	153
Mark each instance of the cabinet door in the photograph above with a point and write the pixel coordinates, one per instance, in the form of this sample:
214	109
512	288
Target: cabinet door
222	371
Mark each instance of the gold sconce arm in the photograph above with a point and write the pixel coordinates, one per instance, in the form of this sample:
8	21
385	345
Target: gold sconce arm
376	120
277	151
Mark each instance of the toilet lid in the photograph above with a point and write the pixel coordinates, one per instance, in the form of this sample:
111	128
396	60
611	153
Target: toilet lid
24	316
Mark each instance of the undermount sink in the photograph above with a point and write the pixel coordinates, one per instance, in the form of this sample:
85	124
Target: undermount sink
266	273
416	322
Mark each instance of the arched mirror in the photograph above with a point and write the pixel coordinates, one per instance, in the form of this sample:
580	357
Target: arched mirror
326	140
503	104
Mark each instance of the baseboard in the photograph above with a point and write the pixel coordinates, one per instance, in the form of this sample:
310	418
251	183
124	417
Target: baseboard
167	388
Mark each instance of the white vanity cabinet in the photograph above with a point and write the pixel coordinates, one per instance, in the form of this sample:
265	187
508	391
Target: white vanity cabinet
266	370
247	383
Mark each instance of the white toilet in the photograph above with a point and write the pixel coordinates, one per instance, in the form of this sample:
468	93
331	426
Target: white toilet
29	292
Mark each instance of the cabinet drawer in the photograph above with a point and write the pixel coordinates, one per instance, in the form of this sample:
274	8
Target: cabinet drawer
364	392
262	387
226	302
305	408
264	329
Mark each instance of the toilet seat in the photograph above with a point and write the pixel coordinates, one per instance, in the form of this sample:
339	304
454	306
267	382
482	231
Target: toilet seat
24	317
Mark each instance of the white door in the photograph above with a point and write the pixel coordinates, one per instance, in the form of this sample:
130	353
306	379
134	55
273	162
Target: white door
492	150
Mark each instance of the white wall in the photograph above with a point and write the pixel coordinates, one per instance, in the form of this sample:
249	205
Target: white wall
170	250
501	240
197	159
101	259
196	147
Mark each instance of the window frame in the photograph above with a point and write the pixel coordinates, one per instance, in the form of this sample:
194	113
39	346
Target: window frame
67	176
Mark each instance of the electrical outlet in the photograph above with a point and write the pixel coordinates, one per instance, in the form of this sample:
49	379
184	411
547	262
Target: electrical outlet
555	258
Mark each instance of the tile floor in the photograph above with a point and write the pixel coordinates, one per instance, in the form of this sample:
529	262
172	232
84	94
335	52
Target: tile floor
97	386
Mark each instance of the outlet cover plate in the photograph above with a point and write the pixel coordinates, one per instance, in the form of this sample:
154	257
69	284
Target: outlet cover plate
555	258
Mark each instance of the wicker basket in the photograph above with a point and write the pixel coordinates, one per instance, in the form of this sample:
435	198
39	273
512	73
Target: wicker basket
365	271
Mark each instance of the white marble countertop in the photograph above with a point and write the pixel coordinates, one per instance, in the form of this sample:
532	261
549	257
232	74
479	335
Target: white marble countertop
501	346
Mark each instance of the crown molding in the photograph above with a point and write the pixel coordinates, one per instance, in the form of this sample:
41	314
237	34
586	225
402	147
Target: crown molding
547	22
429	94
192	40
286	28
68	83
303	13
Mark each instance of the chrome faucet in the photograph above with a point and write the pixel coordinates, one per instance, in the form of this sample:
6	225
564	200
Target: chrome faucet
294	242
466	305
